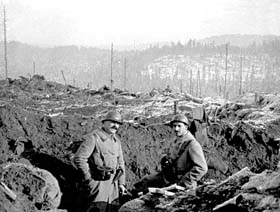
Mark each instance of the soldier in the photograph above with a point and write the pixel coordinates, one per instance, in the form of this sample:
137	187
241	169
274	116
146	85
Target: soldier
184	164
100	160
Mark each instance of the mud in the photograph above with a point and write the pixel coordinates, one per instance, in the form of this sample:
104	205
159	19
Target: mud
49	141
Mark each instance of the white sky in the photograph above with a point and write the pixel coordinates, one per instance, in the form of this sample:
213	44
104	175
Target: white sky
101	22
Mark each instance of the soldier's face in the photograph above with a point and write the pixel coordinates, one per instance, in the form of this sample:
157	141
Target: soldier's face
111	127
179	128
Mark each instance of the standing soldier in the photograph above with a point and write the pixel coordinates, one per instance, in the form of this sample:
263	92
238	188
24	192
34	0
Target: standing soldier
184	164
100	160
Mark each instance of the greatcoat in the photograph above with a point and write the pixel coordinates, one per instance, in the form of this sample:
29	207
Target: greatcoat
189	165
102	149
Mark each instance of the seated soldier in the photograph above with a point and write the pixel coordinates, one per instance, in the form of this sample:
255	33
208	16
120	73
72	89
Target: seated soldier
184	164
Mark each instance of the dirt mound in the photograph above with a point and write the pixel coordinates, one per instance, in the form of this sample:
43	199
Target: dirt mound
26	188
44	129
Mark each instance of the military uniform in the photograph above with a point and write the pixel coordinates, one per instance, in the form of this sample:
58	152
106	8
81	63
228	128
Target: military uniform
101	149
189	165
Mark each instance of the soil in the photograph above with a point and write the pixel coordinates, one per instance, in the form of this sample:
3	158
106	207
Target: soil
38	114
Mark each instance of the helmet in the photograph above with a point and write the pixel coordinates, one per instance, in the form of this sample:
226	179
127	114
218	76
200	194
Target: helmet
180	118
113	116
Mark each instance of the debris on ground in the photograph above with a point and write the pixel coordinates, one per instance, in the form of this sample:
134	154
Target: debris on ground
42	124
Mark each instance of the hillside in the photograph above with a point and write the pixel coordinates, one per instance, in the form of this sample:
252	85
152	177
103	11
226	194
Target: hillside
194	67
239	40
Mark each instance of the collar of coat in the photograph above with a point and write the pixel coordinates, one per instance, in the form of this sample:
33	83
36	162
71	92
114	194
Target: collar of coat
186	137
105	136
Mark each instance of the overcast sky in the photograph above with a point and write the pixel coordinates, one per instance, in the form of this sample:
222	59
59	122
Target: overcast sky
101	22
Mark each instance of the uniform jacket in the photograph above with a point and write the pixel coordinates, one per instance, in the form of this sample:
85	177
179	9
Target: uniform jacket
191	165
102	149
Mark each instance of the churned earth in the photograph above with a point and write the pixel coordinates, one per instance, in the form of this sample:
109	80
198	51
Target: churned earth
41	125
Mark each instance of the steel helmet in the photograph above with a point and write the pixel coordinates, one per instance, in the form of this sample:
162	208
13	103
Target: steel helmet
113	116
180	118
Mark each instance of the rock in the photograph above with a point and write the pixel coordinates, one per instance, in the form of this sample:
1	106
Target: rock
136	205
31	184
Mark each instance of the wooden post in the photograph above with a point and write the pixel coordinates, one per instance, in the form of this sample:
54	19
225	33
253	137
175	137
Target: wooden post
5	46
111	67
181	85
203	79
125	73
34	68
63	77
175	106
225	91
216	80
198	88
191	82
240	77
252	87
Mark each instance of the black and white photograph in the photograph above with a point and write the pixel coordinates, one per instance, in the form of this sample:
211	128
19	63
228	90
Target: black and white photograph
139	106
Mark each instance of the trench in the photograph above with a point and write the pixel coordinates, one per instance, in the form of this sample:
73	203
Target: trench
52	141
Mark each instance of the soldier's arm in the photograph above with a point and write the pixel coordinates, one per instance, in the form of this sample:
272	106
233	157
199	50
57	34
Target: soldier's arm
83	153
199	168
122	166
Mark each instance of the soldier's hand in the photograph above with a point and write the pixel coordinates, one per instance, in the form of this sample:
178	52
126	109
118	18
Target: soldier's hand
92	186
122	189
166	162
